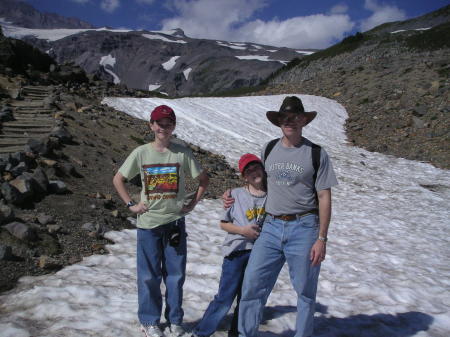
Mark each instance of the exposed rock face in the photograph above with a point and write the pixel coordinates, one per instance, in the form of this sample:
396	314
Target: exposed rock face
24	15
20	56
167	63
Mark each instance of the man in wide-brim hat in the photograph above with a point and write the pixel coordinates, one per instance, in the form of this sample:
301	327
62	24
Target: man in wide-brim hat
291	107
298	208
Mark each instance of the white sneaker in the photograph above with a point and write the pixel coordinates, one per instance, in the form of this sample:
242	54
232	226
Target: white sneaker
152	331
176	330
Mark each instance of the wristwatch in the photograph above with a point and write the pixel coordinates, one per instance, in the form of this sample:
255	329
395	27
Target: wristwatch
323	239
131	203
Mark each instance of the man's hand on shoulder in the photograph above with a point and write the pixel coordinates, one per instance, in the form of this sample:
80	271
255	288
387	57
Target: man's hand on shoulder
227	199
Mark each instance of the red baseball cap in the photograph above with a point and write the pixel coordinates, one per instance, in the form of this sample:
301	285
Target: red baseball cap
247	159
162	111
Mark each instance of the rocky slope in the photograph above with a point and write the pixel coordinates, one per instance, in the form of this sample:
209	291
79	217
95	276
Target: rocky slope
395	88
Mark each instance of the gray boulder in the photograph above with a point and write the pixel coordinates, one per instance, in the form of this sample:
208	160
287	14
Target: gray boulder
23	184
6	213
19	169
62	134
38	146
45	219
21	231
5	253
11	194
58	187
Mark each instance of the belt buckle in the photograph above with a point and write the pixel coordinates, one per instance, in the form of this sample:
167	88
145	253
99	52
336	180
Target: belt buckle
287	217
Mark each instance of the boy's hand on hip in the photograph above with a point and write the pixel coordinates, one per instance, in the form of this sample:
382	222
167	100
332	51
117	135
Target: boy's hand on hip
139	208
250	231
189	207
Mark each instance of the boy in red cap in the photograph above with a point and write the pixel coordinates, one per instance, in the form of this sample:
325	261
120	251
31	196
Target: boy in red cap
161	234
242	222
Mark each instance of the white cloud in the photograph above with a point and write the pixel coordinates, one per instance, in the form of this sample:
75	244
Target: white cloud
211	18
339	9
109	5
382	13
314	31
231	20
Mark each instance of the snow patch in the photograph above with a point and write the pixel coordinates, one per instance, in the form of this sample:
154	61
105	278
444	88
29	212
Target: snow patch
186	73
50	34
162	38
381	276
260	58
109	61
171	63
403	30
224	44
152	87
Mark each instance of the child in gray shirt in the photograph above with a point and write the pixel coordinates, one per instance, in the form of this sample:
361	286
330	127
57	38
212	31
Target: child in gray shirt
242	221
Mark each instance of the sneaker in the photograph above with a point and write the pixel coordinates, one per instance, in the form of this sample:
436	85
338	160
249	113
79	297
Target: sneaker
152	331
177	330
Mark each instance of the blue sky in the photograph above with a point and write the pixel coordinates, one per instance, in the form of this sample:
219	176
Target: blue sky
282	23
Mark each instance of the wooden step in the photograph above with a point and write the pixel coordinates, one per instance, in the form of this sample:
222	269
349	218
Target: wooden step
14	141
19	136
10	130
38	118
11	149
21	124
30	114
37	88
27	104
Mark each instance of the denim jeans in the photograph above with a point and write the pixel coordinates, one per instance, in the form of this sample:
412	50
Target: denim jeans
281	241
157	260
233	269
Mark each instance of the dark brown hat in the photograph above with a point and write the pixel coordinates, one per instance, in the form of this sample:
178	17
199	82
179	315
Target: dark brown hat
291	104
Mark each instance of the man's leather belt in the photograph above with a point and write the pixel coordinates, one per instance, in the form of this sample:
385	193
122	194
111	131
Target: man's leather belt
290	217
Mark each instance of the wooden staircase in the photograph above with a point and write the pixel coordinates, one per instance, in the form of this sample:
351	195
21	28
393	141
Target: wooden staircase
32	120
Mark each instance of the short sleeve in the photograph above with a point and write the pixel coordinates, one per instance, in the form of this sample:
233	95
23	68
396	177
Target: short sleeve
131	167
326	177
226	216
191	165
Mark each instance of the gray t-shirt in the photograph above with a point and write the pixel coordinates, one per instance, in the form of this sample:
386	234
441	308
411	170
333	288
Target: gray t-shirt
245	210
290	178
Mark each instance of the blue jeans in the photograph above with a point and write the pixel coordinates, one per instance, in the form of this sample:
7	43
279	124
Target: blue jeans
233	269
281	241
157	260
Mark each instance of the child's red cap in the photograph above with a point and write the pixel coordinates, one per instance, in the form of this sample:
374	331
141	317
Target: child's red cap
247	159
162	111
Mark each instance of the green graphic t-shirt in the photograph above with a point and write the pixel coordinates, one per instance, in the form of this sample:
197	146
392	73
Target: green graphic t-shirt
163	181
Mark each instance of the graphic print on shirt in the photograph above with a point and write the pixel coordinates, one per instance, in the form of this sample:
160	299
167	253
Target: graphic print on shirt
285	173
254	213
161	178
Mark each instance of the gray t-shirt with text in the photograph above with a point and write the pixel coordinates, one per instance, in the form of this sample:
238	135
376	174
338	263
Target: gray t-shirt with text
245	210
290	178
